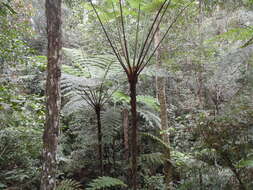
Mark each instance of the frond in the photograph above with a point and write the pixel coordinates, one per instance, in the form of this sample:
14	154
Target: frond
76	103
152	158
105	182
246	163
5	9
146	100
70	85
181	159
119	97
112	120
71	88
148	104
69	184
94	65
157	139
153	71
76	82
152	119
149	101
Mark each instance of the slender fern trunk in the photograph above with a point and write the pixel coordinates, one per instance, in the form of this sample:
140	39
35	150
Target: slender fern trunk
134	143
161	94
53	95
99	136
125	131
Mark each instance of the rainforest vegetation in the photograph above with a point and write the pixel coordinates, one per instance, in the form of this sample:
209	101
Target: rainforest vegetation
126	94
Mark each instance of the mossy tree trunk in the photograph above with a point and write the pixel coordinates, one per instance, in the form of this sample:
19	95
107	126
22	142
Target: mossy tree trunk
53	94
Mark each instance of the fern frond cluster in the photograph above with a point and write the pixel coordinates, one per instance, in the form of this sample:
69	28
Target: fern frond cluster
69	184
105	182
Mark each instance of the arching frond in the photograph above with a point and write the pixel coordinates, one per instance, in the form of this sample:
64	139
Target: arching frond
95	66
76	103
152	119
71	88
152	158
69	184
149	101
157	139
105	182
112	120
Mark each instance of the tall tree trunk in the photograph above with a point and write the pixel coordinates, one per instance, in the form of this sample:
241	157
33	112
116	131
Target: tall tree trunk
53	94
161	94
99	136
134	143
200	68
125	131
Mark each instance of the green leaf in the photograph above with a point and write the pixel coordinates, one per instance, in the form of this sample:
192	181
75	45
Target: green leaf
10	8
149	101
105	182
120	96
69	184
245	163
4	8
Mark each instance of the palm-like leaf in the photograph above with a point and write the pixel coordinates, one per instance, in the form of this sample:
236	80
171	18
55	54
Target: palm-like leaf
105	182
69	184
94	66
112	120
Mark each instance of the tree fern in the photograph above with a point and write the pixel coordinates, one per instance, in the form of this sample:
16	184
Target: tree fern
70	88
105	182
93	91
73	89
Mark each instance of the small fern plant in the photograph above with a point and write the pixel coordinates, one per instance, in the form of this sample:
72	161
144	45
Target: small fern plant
69	184
105	182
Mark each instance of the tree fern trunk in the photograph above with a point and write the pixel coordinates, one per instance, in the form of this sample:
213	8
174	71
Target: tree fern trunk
53	95
99	136
134	147
125	131
161	94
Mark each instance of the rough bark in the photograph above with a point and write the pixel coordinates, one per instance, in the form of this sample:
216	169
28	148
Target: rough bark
99	136
53	95
161	95
134	143
200	70
125	131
